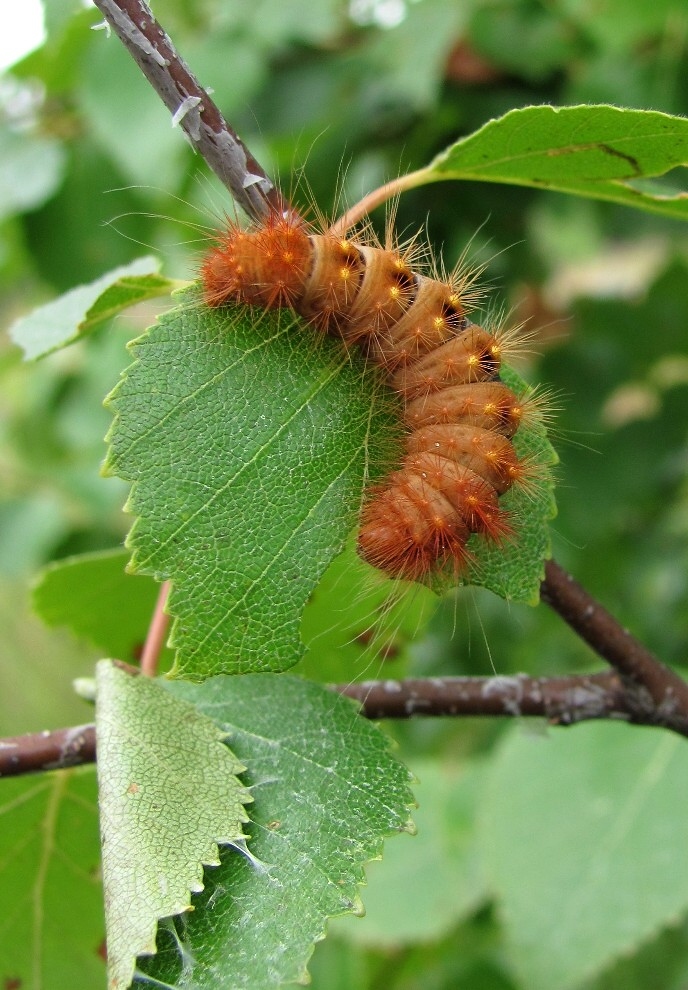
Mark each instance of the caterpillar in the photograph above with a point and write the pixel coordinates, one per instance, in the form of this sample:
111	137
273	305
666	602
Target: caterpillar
459	416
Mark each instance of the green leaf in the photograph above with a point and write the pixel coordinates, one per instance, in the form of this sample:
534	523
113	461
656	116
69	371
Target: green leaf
57	15
31	526
585	837
443	868
86	307
597	151
277	23
662	964
529	40
96	598
247	446
51	905
409	60
327	792
168	795
248	449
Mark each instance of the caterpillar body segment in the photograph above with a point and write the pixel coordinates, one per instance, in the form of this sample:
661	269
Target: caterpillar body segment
459	416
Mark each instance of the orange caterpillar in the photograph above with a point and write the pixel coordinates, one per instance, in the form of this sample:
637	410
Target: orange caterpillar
459	415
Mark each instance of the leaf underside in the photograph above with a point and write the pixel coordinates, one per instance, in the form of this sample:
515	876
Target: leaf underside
168	794
327	792
84	308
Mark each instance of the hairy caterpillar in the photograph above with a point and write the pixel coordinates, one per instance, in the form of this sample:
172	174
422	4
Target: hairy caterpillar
459	416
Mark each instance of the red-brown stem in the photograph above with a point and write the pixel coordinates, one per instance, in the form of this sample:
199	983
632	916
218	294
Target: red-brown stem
372	200
157	631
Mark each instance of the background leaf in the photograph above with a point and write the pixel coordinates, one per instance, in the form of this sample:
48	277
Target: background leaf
31	168
52	932
356	621
83	309
597	151
123	134
94	596
168	794
327	792
604	871
42	697
425	886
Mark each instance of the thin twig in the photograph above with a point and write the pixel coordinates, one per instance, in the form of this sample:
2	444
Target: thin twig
360	210
157	631
47	750
560	700
192	107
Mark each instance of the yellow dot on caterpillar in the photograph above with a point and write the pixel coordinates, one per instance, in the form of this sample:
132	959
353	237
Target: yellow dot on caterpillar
345	245
455	300
489	409
473	360
495	350
288	257
345	274
438	322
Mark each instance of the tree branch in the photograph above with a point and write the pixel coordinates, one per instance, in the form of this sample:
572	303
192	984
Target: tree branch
191	106
560	700
655	689
55	750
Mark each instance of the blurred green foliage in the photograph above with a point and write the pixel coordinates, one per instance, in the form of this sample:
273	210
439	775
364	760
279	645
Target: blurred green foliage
334	99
